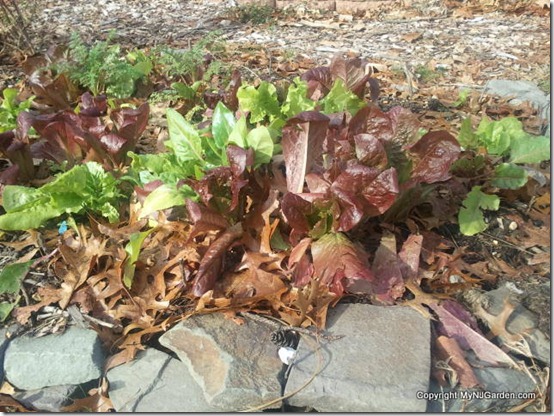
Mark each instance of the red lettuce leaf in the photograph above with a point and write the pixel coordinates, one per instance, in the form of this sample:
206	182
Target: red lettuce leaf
59	93
230	95
432	157
67	136
339	263
300	264
93	106
319	81
361	190
131	123
204	219
19	154
370	151
352	72
296	210
212	262
302	143
239	159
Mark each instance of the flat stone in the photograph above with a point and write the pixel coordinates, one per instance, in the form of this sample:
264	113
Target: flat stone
155	382
493	380
236	366
47	399
73	357
520	91
380	364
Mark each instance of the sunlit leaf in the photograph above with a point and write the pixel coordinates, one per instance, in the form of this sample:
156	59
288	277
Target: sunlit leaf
12	275
470	217
223	122
133	248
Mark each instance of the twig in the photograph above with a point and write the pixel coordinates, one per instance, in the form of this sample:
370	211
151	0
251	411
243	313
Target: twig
507	243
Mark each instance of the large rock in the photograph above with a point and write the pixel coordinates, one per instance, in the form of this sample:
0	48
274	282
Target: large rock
236	366
73	357
519	90
48	399
380	364
155	382
501	390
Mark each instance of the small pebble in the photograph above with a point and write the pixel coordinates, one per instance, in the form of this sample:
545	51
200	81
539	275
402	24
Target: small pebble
513	226
454	278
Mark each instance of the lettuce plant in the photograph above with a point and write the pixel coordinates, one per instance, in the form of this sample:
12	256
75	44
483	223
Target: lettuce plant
10	109
69	137
226	147
356	169
340	87
506	151
84	188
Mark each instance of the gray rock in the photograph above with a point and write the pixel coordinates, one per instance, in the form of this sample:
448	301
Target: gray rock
520	91
47	399
380	364
521	322
73	357
155	382
4	342
493	380
236	366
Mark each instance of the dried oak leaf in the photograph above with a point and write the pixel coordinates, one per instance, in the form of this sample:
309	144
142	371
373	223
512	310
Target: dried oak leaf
258	277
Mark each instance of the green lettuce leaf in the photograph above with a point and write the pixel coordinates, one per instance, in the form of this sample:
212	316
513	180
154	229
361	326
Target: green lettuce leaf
223	122
184	139
133	250
470	217
260	140
530	149
261	102
340	98
509	176
297	99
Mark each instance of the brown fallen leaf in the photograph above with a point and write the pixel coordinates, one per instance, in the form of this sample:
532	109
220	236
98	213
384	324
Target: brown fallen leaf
47	296
96	401
448	351
412	37
463	333
9	405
